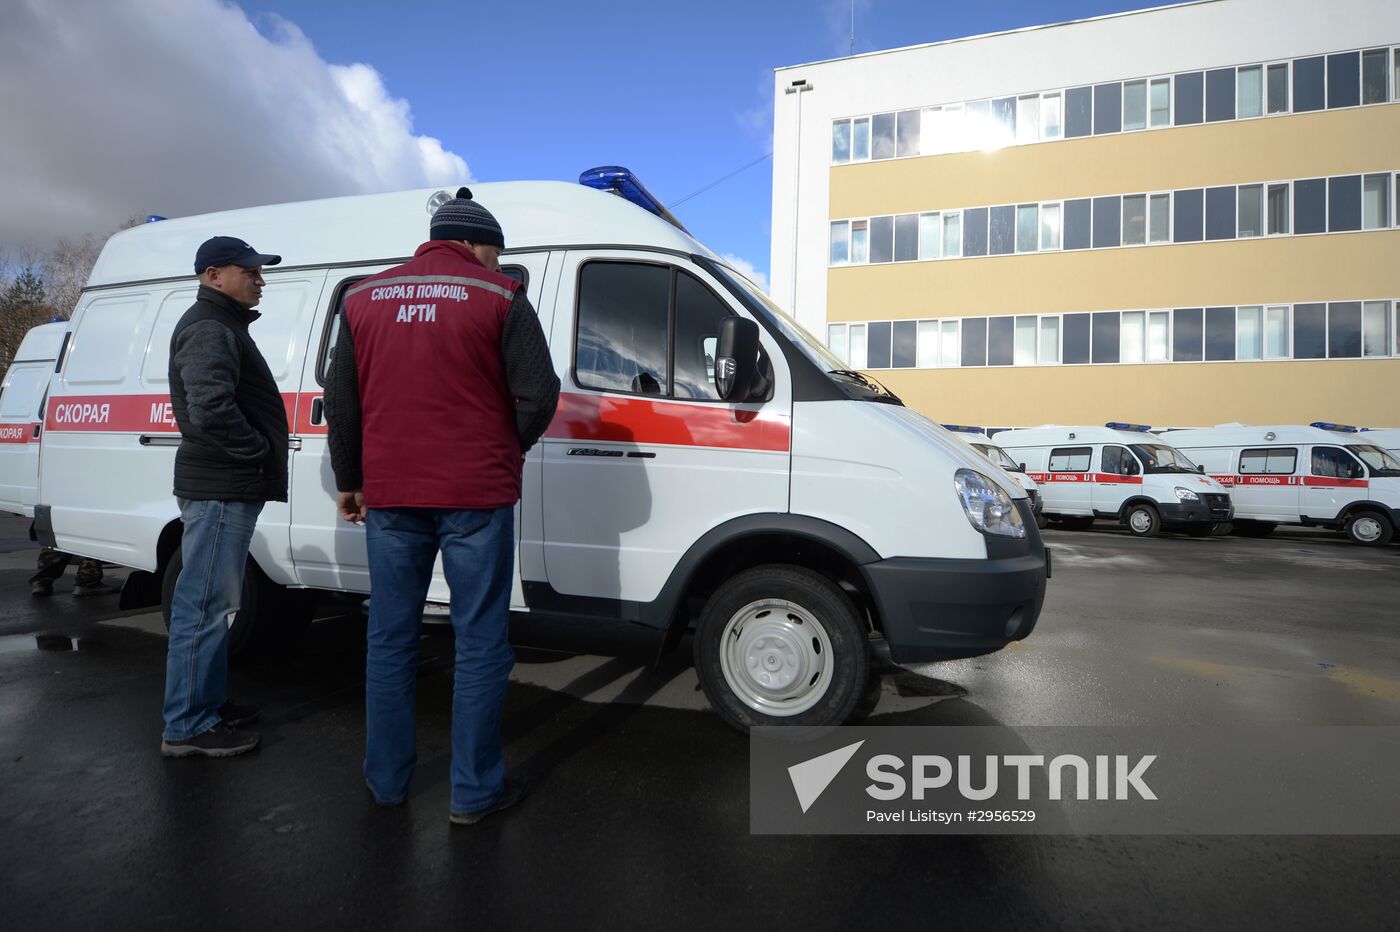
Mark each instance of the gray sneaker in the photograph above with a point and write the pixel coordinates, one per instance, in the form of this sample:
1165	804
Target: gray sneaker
514	790
219	741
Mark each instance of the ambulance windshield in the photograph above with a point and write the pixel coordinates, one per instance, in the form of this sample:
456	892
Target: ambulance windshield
1157	458
1381	463
997	455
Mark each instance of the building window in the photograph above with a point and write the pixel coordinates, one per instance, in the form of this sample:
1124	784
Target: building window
882	143
952	235
1395	74
974	341
860	242
1159	219
1308	82
1079	112
1344	330
1027	227
950	343
1220	213
1375	328
1278	88
1220	95
906	237
1105	337
907	133
860	139
1249	333
1161	99
1343	80
1025	341
928	344
1004	121
1028	119
1276	330
840	242
1132	336
1186	334
1078	220
1050	226
1375	72
906	344
1135	105
1108	108
1278	209
1310	206
1188	216
836	341
975	232
877	347
930	235
1107	221
840	142
1158	336
881	239
1076	338
1003	230
1251	210
1190	97
978	132
1001	341
1375	202
858	360
932	133
1134	219
1249	92
1050	339
1220	334
1309	331
1344	203
1050	120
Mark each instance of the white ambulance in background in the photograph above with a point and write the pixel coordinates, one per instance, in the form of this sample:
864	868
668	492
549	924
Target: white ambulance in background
1321	474
977	438
1119	472
21	414
711	466
1387	438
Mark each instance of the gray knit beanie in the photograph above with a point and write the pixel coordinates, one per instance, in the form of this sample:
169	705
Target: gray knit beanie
464	219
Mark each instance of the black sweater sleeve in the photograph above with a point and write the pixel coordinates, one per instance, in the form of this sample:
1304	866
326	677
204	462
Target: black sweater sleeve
342	402
530	374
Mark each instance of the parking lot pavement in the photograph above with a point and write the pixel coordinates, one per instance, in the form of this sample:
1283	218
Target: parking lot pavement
640	812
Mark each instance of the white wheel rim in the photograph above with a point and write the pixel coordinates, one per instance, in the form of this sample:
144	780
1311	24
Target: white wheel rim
1366	529
776	657
1140	521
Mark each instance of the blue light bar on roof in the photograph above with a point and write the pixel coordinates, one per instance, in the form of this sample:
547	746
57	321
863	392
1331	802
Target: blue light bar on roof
1116	425
962	429
623	183
1341	428
154	218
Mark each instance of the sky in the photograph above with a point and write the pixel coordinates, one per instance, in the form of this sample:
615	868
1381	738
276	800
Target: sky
179	107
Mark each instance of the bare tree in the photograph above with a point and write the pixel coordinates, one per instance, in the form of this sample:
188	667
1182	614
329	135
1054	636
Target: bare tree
22	306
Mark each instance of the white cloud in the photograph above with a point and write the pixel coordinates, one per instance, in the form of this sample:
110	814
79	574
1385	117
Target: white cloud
180	107
746	268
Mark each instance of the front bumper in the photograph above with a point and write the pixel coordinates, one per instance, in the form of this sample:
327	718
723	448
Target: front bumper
1209	509
943	609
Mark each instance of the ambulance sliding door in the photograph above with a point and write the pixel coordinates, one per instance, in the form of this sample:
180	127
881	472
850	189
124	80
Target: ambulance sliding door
1269	486
20	398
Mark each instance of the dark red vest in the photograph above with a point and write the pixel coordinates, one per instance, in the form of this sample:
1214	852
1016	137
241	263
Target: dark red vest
438	419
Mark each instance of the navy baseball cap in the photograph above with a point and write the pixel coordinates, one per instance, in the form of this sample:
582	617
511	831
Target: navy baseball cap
229	250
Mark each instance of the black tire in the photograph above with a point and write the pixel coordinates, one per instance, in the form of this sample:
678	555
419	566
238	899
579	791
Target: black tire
1369	528
1142	520
1041	521
836	651
269	616
1255	528
1076	522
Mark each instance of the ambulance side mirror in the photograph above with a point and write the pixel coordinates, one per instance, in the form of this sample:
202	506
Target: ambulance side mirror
1201	470
1020	467
736	359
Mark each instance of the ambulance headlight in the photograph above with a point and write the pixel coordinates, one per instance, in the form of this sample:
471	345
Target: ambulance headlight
988	508
1186	495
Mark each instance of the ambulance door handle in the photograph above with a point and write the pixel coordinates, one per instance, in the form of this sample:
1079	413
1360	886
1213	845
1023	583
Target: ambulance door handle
318	409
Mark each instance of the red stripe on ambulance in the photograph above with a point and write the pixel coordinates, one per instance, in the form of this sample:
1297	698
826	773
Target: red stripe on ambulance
18	433
131	414
640	420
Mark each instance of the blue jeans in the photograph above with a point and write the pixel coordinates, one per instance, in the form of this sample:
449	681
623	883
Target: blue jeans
215	550
478	554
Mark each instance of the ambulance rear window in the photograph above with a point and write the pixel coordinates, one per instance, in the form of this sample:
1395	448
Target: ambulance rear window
1070	459
1273	461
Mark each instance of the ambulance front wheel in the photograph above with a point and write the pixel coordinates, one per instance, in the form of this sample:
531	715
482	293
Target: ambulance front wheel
782	645
268	616
1370	528
1142	520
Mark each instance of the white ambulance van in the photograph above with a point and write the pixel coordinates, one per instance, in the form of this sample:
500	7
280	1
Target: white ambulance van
1322	474
1120	472
1387	438
21	414
976	438
711	464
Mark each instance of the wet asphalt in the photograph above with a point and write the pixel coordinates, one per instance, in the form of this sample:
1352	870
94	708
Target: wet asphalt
639	814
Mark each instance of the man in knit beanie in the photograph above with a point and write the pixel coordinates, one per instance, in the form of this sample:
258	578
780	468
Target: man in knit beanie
440	382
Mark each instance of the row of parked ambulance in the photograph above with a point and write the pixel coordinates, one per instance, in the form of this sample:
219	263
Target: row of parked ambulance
1246	478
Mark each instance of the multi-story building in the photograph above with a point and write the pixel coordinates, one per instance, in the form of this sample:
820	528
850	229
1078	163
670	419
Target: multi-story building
1185	215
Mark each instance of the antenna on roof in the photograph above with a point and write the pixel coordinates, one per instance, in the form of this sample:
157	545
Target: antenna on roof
853	27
